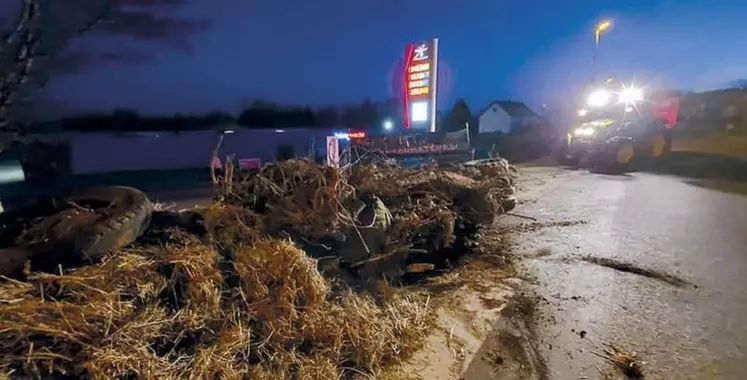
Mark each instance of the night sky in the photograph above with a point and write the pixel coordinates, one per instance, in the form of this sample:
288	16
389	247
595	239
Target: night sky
328	52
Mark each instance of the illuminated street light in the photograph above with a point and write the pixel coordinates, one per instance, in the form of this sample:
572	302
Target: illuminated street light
388	125
601	28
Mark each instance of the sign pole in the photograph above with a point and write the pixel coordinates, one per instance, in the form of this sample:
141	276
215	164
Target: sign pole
333	151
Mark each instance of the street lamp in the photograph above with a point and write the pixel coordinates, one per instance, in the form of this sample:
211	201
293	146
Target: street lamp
601	28
388	125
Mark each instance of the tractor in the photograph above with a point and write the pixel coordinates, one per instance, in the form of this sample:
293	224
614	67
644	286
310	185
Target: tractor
618	125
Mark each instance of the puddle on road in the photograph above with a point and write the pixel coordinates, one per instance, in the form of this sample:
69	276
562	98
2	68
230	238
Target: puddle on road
630	268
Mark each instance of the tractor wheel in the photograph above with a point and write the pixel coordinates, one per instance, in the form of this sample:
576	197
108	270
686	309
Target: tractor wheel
624	153
559	151
72	230
561	156
660	144
615	158
571	161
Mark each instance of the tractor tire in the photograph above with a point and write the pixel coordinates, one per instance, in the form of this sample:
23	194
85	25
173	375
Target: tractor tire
72	230
572	161
560	154
660	143
616	157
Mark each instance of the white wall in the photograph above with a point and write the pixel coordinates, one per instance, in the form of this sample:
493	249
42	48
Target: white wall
494	119
111	152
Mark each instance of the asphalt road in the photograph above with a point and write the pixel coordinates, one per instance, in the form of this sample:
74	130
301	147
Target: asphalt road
694	229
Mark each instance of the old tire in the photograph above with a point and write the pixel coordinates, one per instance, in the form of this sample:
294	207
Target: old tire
74	229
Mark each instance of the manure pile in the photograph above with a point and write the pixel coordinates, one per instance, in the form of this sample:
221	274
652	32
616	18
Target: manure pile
261	285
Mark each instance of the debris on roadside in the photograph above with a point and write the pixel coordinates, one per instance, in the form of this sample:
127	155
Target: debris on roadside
627	363
260	285
380	219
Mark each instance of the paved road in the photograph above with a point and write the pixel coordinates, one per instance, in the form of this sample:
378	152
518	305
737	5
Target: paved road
691	228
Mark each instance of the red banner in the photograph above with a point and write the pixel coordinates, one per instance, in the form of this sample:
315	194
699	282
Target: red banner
250	163
411	145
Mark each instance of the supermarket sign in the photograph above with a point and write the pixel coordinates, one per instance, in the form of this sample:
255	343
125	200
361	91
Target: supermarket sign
421	85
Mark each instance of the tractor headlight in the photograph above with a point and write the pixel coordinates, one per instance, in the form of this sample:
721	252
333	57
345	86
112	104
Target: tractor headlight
631	95
599	98
586	131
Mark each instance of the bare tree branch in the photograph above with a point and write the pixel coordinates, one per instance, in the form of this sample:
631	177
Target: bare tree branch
15	66
44	30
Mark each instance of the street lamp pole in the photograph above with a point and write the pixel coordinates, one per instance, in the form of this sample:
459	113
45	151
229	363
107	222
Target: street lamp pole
601	27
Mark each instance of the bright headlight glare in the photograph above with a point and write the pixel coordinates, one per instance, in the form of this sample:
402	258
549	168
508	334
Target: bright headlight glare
631	95
598	98
588	131
582	112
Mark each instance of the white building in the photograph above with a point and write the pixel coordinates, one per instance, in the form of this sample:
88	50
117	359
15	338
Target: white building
505	117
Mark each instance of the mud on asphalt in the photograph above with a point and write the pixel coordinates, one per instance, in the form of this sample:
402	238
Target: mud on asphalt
514	349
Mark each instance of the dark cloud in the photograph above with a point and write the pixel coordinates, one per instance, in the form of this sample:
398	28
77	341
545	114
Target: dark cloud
141	20
147	26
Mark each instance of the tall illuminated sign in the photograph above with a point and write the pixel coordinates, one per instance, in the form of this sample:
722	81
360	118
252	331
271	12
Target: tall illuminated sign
421	84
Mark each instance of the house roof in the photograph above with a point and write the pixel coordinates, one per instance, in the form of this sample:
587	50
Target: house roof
512	108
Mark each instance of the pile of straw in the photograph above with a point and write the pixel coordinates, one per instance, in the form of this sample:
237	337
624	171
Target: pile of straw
432	208
186	312
244	298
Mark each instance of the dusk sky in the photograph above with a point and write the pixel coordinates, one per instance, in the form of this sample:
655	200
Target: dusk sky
328	52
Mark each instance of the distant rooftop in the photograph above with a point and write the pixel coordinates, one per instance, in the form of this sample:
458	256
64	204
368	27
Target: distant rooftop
512	108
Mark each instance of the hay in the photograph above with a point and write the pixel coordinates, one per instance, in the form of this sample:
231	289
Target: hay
182	312
435	212
242	296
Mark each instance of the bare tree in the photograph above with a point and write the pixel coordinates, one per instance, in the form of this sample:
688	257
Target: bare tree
41	43
740	84
17	49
